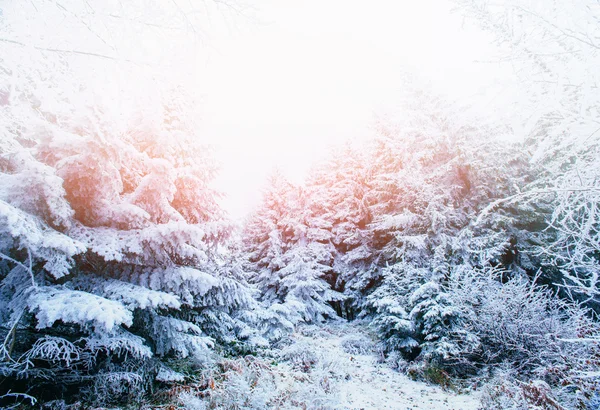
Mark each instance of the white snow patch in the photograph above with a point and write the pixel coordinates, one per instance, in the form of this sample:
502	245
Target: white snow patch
367	384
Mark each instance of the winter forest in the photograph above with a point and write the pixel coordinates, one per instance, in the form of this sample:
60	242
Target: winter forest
447	256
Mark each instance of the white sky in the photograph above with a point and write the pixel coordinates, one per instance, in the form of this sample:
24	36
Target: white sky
301	75
279	84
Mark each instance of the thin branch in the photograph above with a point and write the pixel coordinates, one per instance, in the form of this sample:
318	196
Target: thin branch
98	36
532	193
144	23
76	52
9	341
27	268
589	43
31	399
185	16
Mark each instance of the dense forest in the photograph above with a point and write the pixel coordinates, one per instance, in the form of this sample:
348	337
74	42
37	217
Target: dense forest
468	248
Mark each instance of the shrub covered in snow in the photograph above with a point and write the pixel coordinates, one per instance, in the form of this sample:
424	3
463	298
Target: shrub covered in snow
301	356
357	344
253	383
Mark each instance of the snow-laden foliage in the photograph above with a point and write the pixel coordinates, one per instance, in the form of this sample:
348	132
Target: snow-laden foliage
127	294
289	258
51	304
338	210
421	232
467	255
112	245
556	69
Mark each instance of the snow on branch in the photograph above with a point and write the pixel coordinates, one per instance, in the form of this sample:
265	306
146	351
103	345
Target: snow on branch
53	304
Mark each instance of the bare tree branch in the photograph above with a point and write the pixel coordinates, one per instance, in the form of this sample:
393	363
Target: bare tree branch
76	52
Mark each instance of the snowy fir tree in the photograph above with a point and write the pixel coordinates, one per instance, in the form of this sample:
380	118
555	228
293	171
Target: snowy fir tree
289	254
337	188
433	174
112	245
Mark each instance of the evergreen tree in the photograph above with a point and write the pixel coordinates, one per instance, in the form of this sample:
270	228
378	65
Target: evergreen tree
336	190
112	246
558	106
289	254
433	173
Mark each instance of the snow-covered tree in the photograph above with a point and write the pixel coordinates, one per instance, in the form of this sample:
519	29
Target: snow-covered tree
289	253
554	49
336	190
112	243
434	171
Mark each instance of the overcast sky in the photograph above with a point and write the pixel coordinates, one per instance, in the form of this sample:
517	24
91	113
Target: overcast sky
297	76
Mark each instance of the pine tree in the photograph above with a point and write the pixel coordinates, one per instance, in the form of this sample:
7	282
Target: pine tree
433	173
288	251
112	245
336	191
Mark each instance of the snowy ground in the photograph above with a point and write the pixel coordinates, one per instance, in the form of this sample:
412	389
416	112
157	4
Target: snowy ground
329	367
367	384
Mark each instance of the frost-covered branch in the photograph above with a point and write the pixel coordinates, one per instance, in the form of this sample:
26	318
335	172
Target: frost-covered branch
28	268
18	397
